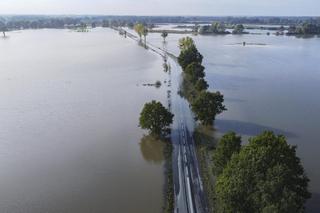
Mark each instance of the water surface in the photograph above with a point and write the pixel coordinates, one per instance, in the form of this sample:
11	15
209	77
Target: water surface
272	84
69	135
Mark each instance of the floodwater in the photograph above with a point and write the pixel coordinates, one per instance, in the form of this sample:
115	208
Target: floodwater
69	135
271	84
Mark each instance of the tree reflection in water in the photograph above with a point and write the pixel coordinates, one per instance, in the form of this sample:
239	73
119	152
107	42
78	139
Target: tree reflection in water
152	149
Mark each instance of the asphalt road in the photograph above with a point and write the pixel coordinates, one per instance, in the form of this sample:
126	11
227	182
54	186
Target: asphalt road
188	186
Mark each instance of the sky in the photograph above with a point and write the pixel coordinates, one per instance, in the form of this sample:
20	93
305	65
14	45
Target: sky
164	7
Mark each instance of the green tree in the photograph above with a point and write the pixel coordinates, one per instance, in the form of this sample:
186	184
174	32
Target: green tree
139	28
207	105
266	176
217	27
164	35
194	71
186	43
201	85
188	56
204	29
238	29
156	118
228	145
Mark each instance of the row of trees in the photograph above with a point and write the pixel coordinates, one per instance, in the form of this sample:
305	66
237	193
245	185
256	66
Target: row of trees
307	28
41	20
220	28
263	176
205	105
142	30
215	28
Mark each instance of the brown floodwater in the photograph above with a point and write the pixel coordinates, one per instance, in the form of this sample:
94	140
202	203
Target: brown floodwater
69	135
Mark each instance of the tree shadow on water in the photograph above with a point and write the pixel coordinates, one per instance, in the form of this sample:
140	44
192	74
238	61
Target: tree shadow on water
247	128
152	149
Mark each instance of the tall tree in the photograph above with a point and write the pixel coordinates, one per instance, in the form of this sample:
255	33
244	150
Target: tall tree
145	33
228	145
266	176
194	71
164	35
207	105
189	55
238	29
186	43
156	118
201	85
139	28
217	27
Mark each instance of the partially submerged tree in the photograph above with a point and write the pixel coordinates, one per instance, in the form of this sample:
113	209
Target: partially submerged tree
228	145
145	33
139	28
218	27
188	56
238	29
186	43
266	176
194	71
164	35
156	118
201	85
207	105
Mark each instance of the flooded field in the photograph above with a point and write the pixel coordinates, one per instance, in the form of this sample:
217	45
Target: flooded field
271	84
69	135
70	103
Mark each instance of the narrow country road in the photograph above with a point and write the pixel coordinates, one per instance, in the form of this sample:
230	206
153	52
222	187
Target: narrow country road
188	187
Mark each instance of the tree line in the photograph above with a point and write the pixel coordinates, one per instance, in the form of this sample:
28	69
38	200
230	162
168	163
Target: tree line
205	104
264	175
42	21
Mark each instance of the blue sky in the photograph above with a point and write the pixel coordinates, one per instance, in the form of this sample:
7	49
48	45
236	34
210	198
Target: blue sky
163	7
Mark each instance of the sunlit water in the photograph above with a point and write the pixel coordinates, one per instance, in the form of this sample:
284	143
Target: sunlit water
273	85
69	135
